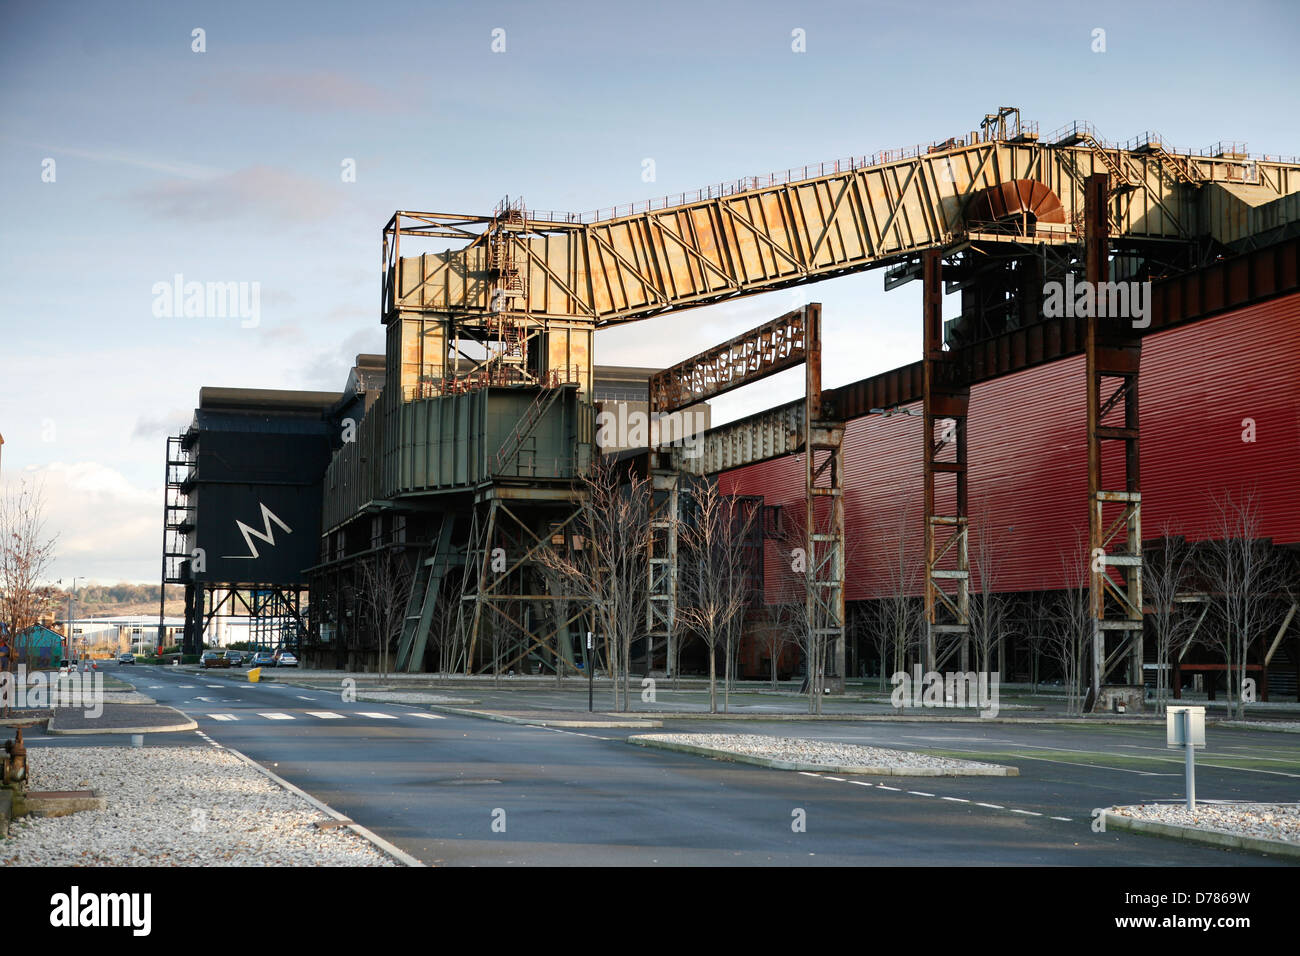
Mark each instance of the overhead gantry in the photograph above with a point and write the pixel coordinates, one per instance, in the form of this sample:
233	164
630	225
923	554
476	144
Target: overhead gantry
993	215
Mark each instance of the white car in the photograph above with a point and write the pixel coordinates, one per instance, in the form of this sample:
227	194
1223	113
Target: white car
285	659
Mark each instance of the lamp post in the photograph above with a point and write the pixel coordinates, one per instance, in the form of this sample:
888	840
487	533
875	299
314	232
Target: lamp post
71	651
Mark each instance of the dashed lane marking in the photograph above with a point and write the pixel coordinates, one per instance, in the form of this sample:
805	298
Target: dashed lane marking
922	793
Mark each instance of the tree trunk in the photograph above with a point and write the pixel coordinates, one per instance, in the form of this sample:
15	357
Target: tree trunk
713	687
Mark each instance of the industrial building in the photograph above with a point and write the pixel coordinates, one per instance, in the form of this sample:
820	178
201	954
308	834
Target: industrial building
406	516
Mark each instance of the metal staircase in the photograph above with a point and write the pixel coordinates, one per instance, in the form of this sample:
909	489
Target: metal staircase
426	584
524	426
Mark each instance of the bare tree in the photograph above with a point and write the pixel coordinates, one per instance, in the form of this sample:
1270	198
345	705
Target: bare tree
775	631
25	556
1067	623
1165	573
1245	577
385	587
714	589
988	607
898	615
608	571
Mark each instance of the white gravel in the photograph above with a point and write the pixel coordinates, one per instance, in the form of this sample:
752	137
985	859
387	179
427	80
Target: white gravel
409	697
818	752
1268	821
1286	726
175	806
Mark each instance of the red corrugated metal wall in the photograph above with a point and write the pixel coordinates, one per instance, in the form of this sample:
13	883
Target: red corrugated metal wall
1028	459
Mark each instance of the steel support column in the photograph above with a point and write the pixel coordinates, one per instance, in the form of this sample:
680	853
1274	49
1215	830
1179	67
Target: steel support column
661	606
824	520
946	401
1113	350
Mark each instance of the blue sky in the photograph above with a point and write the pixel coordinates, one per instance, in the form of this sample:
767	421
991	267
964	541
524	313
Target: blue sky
225	166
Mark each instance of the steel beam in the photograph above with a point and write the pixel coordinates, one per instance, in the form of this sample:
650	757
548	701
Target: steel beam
770	348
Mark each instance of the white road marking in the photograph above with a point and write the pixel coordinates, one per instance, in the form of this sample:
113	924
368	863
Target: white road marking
430	716
300	697
895	789
918	793
956	799
1028	813
218	686
376	716
805	773
991	806
187	686
836	779
324	715
223	716
276	716
860	783
1062	819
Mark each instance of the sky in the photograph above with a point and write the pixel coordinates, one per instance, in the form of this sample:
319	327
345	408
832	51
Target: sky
129	156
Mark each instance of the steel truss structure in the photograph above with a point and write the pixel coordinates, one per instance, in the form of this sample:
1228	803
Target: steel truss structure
991	216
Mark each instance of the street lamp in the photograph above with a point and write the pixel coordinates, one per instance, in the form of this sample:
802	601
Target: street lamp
71	652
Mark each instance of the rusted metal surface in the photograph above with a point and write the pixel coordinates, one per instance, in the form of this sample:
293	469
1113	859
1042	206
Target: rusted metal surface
772	347
1023	197
771	233
1220	287
945	403
1113	354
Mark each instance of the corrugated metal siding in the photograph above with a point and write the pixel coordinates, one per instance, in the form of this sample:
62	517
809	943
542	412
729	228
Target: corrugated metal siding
1028	458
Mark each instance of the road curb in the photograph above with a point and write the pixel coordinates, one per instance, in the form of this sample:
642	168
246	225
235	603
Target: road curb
996	771
909	719
637	724
401	856
187	724
1216	838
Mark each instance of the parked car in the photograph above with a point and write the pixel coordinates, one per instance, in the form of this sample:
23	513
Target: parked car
213	659
236	658
126	659
285	659
263	659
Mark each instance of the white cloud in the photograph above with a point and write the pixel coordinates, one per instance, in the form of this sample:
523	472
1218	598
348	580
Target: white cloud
107	528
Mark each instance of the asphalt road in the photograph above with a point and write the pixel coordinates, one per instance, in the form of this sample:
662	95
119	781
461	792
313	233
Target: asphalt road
436	785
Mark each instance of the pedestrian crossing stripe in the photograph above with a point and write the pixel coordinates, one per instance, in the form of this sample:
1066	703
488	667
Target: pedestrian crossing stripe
223	716
376	716
324	715
277	716
430	716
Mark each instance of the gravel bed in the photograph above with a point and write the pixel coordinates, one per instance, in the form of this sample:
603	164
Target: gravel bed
1286	726
409	697
1267	821
818	752
175	806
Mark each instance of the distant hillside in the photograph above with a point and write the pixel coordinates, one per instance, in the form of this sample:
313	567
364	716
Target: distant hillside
114	600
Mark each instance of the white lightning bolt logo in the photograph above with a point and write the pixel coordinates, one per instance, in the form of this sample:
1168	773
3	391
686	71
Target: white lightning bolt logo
264	535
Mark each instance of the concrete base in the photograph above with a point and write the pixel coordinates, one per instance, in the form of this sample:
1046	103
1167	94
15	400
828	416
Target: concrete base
60	803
